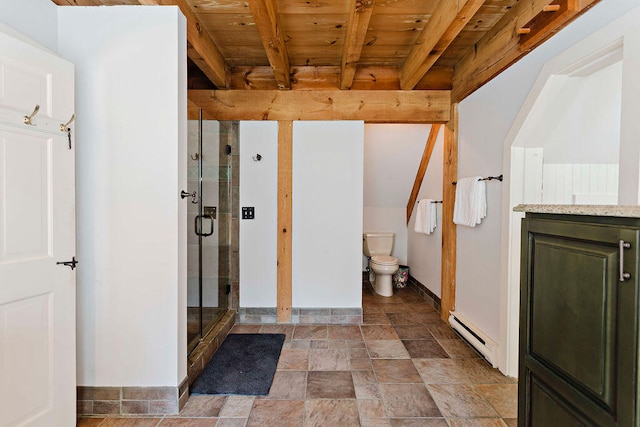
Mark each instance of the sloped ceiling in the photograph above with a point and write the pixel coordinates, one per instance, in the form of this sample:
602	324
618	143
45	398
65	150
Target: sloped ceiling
392	155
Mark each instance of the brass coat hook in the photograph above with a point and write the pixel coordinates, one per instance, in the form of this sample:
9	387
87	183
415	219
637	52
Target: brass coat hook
63	127
27	119
195	156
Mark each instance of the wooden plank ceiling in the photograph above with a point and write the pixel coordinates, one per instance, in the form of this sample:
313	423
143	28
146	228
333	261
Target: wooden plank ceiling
368	45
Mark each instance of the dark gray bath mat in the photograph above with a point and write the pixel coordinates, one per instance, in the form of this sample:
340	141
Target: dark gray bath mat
244	364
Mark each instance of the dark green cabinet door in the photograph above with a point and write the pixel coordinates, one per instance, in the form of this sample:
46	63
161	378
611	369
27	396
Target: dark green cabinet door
578	325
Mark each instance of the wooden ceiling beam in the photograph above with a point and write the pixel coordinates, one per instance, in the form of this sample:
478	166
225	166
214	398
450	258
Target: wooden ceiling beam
370	77
501	46
202	50
446	22
373	106
357	26
265	15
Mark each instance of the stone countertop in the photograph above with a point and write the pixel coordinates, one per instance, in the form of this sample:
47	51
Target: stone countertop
592	210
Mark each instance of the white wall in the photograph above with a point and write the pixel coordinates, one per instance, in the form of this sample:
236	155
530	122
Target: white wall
425	251
486	118
629	179
37	19
588	130
258	237
131	166
392	154
327	214
181	142
576	115
478	248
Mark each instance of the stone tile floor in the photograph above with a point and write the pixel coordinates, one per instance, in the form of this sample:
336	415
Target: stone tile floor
403	367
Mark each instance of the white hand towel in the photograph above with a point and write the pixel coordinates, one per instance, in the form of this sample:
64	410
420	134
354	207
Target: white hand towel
425	217
471	201
421	216
432	216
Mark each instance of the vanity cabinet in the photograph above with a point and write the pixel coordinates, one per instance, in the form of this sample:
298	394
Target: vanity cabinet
579	321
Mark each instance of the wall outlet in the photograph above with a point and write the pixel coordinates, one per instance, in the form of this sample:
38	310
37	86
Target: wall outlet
248	212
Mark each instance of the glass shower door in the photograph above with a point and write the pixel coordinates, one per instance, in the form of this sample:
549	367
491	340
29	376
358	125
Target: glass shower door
206	289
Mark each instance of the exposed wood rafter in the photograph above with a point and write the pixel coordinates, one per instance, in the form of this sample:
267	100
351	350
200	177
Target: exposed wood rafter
446	22
202	50
357	25
374	106
422	169
265	15
543	25
359	45
500	46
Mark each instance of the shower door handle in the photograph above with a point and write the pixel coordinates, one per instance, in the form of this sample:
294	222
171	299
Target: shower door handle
198	225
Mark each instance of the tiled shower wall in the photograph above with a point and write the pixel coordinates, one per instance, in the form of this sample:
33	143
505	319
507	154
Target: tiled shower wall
229	236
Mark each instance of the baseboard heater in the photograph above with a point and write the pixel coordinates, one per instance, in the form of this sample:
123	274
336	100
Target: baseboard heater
474	336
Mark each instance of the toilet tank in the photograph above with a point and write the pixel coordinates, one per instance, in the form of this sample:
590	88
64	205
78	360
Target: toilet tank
377	243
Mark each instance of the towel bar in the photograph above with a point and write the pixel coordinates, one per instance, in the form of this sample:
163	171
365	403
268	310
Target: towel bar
489	178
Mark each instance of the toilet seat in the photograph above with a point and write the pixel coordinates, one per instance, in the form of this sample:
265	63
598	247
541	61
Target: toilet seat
384	260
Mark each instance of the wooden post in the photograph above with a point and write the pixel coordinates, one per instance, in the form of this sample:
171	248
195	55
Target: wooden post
449	233
285	220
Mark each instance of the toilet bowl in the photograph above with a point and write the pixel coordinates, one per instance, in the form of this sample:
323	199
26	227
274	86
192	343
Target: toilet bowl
377	247
383	267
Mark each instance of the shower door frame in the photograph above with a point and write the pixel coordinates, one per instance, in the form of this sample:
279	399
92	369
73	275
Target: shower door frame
198	228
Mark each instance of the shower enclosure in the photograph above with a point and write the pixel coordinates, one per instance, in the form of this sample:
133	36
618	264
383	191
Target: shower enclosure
209	225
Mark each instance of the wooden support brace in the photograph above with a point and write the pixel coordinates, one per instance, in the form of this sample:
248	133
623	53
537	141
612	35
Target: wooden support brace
422	169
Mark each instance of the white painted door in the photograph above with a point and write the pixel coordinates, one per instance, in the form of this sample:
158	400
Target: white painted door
37	230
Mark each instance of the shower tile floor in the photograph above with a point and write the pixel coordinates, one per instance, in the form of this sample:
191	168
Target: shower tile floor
403	367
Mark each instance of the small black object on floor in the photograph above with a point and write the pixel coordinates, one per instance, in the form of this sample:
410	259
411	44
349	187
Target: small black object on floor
244	364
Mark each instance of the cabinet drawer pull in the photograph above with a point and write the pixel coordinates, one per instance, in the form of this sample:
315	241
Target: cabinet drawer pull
622	245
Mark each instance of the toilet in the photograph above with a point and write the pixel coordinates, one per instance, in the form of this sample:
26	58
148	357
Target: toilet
377	248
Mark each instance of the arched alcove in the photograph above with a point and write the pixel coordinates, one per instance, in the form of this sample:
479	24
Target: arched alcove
574	125
572	142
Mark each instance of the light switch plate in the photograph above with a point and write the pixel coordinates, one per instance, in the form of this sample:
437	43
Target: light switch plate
248	212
